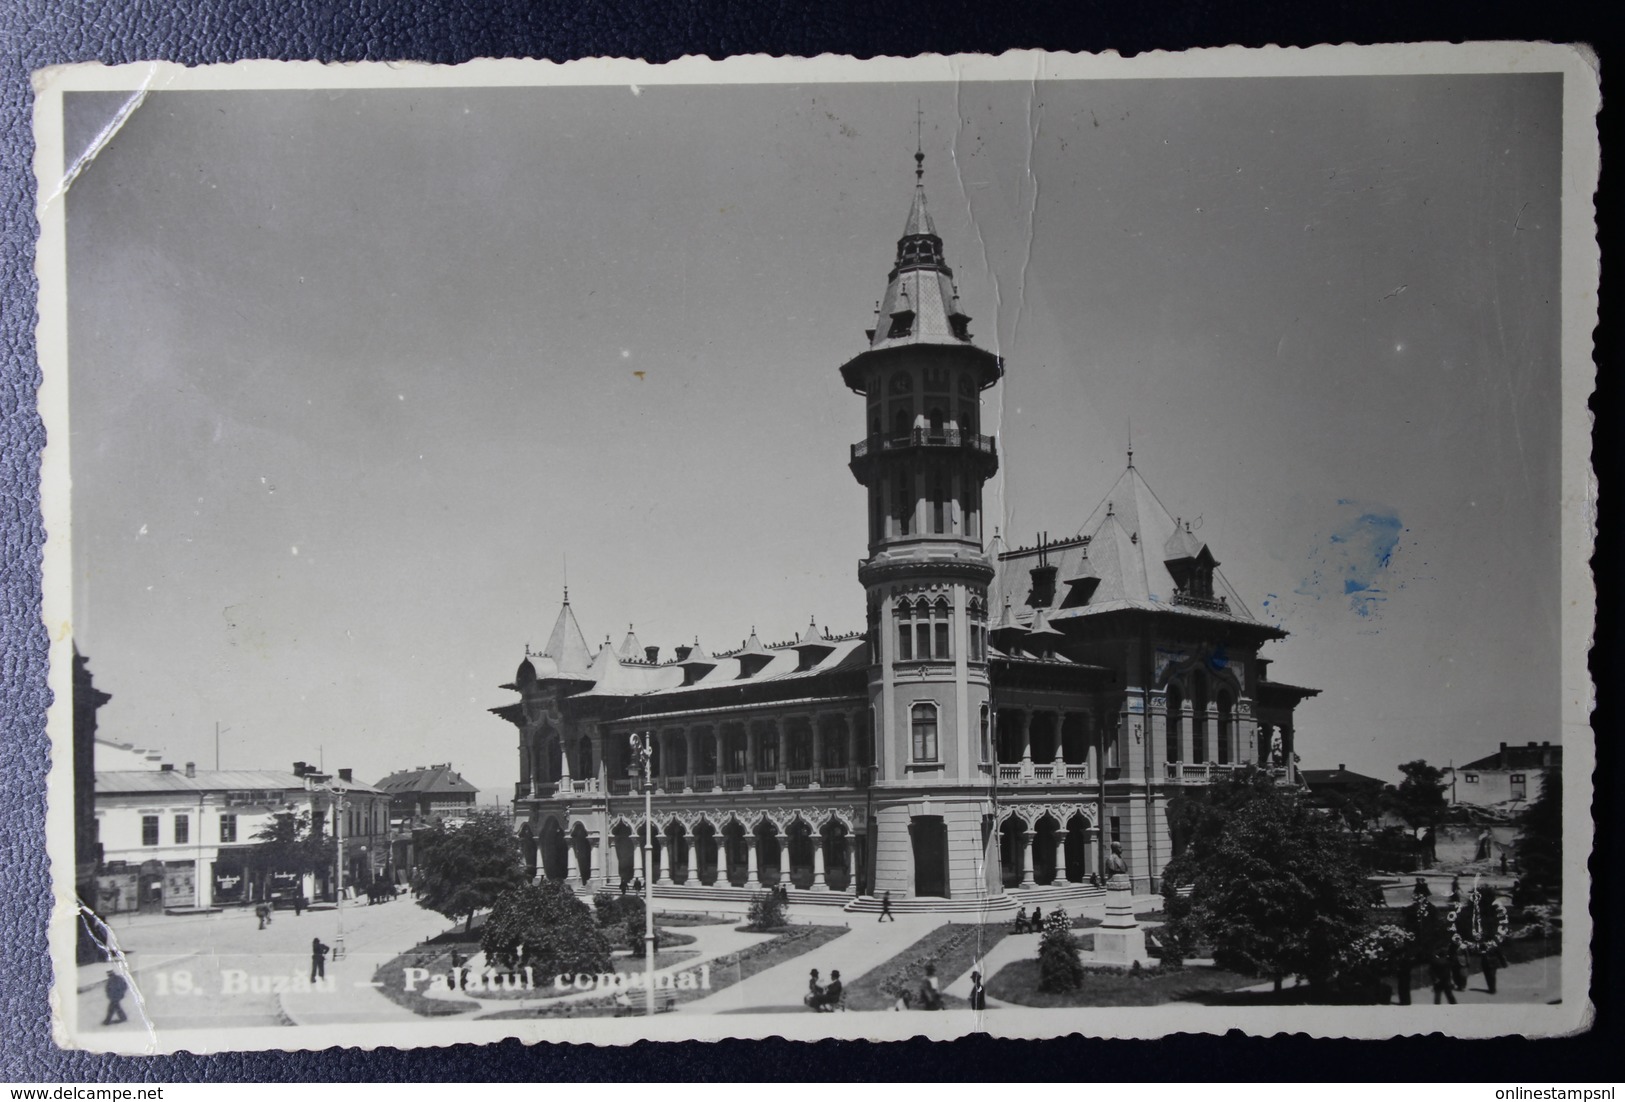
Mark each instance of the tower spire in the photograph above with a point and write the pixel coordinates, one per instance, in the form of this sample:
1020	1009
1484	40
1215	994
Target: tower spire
919	144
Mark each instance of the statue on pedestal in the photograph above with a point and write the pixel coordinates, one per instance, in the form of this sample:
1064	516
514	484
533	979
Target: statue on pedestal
1116	868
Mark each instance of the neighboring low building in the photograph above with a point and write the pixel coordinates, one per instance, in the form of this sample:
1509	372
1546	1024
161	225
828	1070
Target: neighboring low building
184	838
1330	787
421	797
1510	776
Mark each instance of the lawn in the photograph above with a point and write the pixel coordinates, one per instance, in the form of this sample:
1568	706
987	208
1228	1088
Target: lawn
726	970
953	948
677	918
1017	983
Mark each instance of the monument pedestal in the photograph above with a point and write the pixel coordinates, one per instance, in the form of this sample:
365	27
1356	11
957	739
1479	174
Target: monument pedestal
1119	940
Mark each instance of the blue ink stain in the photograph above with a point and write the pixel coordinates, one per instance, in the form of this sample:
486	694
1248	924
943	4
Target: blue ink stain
1357	555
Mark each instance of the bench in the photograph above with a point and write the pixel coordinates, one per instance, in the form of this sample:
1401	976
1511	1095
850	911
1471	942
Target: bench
628	1007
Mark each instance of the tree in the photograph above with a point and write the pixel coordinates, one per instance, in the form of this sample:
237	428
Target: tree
1540	839
294	844
463	868
1059	968
546	928
1419	798
1274	885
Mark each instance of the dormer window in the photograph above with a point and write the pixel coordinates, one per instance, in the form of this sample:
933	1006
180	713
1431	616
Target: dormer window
902	324
961	326
1043	590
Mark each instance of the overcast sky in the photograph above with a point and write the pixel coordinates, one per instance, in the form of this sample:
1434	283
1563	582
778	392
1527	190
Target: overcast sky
353	372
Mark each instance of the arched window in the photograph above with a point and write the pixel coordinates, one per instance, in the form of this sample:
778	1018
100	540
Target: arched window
902	423
939	505
1225	706
904	614
922	629
942	622
938	422
902	383
923	721
1176	724
978	630
903	505
986	741
874	425
967	418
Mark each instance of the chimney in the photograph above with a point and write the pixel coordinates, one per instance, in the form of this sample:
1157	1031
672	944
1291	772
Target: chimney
1503	749
1531	744
299	769
166	767
191	769
683	653
1341	768
652	654
345	775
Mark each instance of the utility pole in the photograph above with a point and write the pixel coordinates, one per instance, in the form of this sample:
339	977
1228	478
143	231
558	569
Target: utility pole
218	731
642	750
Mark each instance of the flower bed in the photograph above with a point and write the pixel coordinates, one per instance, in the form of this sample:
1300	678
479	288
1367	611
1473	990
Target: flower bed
953	948
1017	982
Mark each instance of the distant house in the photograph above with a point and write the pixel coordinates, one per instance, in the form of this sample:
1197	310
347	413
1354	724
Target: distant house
1510	776
1331	786
421	797
427	793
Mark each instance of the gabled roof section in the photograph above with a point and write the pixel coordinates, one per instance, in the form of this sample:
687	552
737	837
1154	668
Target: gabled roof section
427	780
630	648
1126	543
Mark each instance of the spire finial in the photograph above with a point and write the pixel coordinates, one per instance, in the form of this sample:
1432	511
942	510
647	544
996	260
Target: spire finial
1131	457
919	143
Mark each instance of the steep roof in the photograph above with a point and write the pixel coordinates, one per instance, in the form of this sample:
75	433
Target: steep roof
428	781
920	305
566	646
1117	560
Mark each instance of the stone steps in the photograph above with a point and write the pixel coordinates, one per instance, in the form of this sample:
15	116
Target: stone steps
1045	896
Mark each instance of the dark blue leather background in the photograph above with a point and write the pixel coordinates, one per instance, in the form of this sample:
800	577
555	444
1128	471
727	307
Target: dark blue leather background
35	33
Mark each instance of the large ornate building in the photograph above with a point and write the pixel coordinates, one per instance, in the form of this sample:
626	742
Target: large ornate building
1007	713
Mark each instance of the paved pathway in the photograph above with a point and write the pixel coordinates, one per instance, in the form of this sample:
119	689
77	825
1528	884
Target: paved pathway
221	970
868	944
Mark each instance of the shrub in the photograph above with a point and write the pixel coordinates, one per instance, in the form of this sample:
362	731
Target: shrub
1059	968
546	927
766	912
632	932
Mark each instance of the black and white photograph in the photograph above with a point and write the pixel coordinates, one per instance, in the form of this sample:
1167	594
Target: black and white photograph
1027	545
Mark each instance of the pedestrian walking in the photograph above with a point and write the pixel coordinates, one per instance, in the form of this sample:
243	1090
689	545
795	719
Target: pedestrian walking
318	959
885	908
115	988
298	904
263	913
978	993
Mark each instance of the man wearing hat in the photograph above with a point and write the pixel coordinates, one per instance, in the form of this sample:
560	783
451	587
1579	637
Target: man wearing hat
116	988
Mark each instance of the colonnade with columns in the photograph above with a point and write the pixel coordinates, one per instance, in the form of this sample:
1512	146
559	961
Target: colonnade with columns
816	851
1043	744
1048	846
796	749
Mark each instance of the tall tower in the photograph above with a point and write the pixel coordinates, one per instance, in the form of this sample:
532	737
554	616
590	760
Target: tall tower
923	462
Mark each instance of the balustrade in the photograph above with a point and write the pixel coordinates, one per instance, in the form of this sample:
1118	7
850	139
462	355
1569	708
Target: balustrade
704	782
799	778
766	778
733	782
834	777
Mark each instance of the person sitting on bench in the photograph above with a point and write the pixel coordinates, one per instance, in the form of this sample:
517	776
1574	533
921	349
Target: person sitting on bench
1019	924
832	995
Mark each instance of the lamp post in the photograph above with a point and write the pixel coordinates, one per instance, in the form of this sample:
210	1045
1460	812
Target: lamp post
642	751
338	866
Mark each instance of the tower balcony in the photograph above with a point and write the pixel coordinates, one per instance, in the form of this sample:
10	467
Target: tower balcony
982	450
